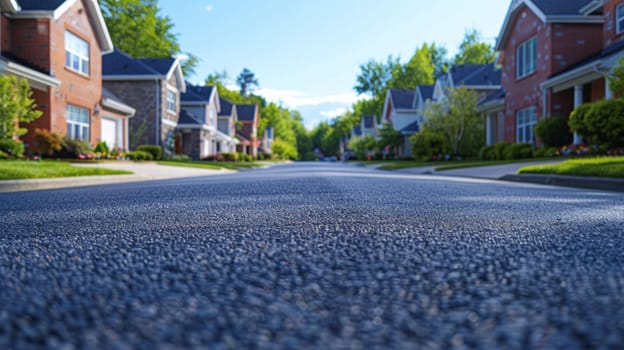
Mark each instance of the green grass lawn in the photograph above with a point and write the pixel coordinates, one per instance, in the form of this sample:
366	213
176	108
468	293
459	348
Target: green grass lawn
24	169
601	167
445	165
211	165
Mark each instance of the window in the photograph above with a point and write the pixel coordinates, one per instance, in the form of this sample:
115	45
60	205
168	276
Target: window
525	123
619	19
171	101
76	53
77	123
211	116
526	58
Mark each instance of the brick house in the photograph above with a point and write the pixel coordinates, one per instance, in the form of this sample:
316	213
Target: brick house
153	86
540	44
248	119
57	46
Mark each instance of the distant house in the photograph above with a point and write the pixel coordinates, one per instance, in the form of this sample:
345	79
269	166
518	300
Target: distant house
248	119
57	46
554	57
369	125
153	87
267	140
482	78
400	112
227	119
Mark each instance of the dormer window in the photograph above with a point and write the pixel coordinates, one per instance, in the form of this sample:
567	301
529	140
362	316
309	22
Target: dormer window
76	53
526	58
619	18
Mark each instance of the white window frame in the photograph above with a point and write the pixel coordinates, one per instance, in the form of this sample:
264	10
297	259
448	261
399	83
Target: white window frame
525	125
619	19
76	58
526	58
211	116
78	123
171	100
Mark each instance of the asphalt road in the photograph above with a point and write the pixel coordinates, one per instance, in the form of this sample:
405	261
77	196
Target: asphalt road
312	256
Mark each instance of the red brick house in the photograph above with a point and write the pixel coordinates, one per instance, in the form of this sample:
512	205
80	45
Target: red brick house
247	134
540	40
58	46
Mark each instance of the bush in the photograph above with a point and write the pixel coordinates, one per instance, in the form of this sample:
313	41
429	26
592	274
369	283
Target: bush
309	156
12	148
518	151
487	153
74	149
155	151
553	131
546	152
47	143
139	155
426	145
230	157
101	147
243	157
499	150
180	158
600	123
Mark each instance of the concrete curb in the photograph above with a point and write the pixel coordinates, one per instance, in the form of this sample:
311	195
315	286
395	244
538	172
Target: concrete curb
594	183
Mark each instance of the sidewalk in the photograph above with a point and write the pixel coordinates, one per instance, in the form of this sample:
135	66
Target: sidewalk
142	172
509	172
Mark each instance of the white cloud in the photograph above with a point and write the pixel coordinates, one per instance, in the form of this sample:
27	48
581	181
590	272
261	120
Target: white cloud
209	8
296	99
182	56
333	113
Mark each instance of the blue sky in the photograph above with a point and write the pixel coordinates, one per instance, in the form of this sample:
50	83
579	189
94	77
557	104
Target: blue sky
306	53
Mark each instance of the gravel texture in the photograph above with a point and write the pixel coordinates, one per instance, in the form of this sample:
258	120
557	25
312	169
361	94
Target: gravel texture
312	256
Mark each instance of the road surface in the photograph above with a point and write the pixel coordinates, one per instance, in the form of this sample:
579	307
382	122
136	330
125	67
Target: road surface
312	256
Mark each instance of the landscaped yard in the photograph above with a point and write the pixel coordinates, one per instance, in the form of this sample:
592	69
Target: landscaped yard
602	167
211	165
448	165
23	169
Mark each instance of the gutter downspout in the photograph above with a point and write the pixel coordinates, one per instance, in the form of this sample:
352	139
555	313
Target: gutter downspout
157	114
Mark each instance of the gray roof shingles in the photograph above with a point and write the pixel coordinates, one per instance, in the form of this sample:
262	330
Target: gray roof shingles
555	7
196	93
188	118
246	112
226	107
426	91
476	75
120	63
402	98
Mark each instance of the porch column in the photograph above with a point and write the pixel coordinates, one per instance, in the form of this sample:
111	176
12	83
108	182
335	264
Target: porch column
578	100
608	91
488	129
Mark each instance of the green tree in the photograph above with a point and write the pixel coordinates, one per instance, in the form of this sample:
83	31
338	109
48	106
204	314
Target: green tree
138	28
419	70
616	80
473	50
389	137
362	146
456	117
16	106
247	82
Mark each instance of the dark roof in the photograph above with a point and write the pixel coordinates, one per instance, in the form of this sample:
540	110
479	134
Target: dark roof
226	107
188	118
402	98
567	7
369	121
40	5
11	57
426	91
196	93
357	130
120	63
161	65
493	97
411	129
475	74
246	112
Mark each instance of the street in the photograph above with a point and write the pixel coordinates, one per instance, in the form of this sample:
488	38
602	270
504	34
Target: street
318	255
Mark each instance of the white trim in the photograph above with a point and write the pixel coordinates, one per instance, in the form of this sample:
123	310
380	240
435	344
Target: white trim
65	6
118	106
168	122
591	7
617	29
176	68
170	87
42	80
10	5
574	19
195	126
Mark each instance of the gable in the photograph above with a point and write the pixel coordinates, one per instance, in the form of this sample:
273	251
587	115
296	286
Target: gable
56	8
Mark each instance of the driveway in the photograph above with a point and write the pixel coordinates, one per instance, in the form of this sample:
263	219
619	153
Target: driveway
154	171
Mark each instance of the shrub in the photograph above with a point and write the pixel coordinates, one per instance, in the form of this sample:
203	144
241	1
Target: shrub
499	150
243	157
518	151
309	156
487	153
47	143
139	155
74	149
101	147
553	131
600	123
230	157
155	151
12	148
546	152
4	155
427	145
180	158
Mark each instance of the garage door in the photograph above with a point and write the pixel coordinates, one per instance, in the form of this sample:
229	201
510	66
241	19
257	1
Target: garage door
109	132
